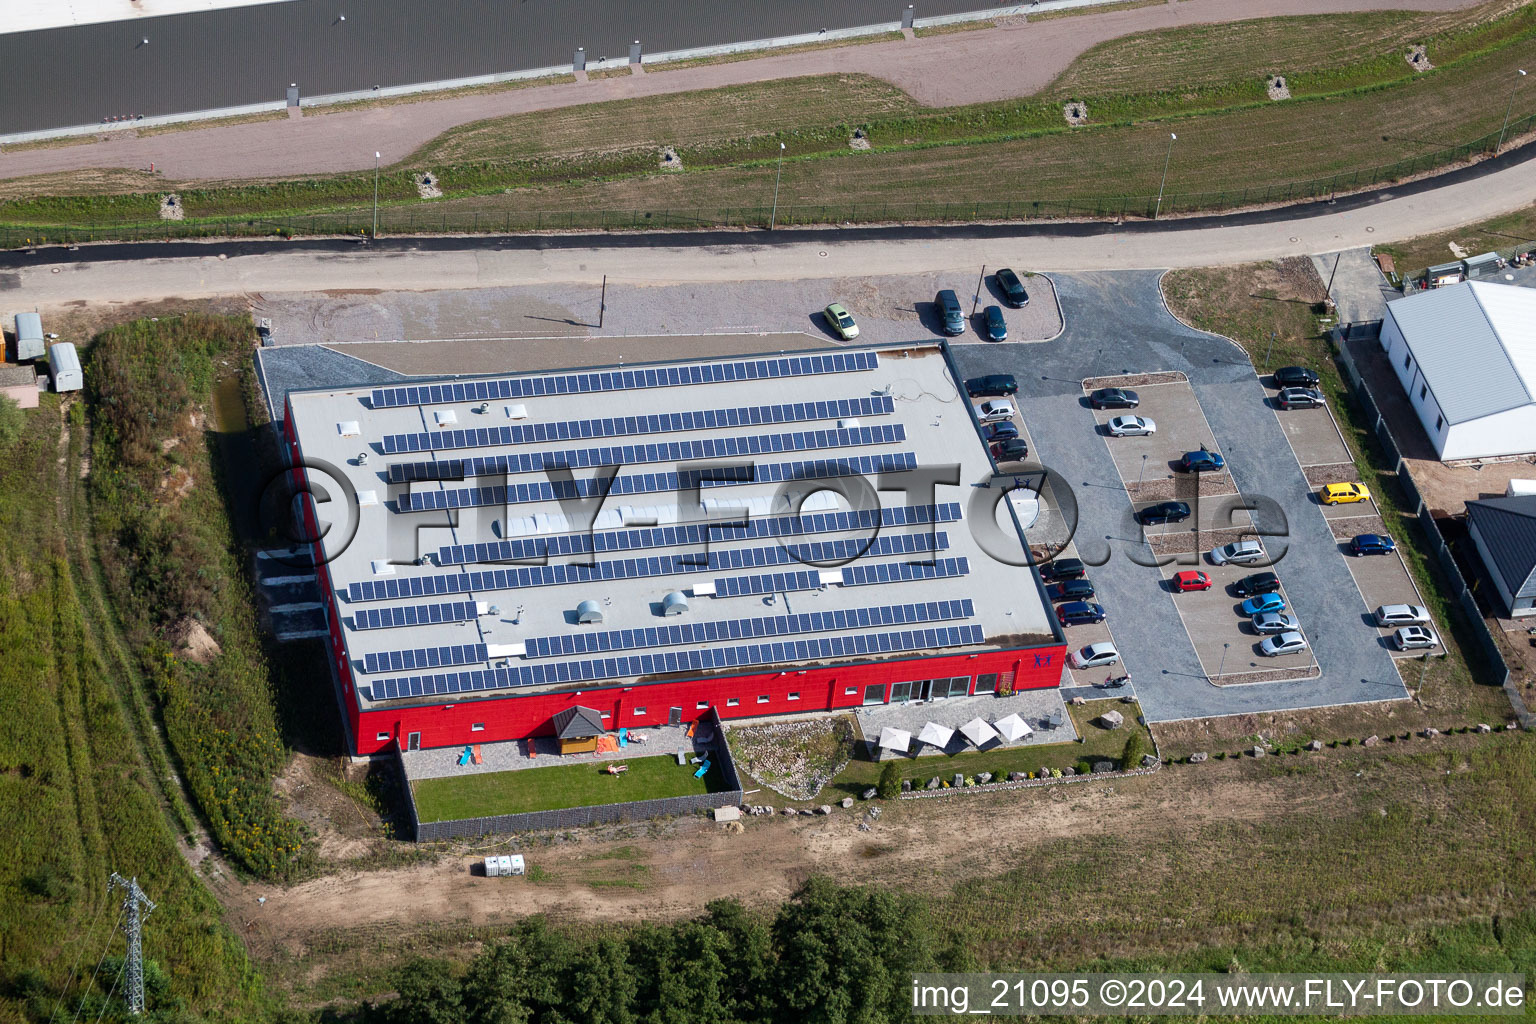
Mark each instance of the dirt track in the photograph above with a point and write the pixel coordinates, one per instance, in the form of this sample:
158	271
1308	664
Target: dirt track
945	70
674	868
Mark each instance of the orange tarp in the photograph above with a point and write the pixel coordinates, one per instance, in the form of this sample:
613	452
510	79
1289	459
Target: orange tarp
607	744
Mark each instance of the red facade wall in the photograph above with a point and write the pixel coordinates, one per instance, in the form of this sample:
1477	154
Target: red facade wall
445	723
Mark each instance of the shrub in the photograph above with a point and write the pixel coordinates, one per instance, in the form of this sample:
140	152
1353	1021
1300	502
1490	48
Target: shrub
1135	747
890	781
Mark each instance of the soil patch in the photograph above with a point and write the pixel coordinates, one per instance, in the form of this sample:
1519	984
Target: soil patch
429	187
1333	473
170	208
1418	58
669	160
192	641
1169	490
1129	380
794	759
1075	112
858	140
1277	88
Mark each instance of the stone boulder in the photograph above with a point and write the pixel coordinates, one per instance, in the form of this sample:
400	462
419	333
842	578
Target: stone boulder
1068	773
1430	734
874	813
1149	760
958	782
1257	750
1078	702
1371	741
1484	727
824	809
1198	756
869	794
1100	767
791	811
1015	776
1315	746
1111	720
933	783
906	785
847	801
983	778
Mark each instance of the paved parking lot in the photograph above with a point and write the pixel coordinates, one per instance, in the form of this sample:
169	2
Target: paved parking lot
1223	637
1147	463
1116	324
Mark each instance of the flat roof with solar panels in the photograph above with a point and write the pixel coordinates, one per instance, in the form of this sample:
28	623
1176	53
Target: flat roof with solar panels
549	531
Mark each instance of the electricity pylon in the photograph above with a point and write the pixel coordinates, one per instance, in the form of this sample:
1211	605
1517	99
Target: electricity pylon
133	921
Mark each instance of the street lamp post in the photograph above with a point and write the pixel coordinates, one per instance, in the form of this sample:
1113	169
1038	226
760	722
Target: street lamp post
1223	667
1508	107
375	234
776	179
1172	138
1142	474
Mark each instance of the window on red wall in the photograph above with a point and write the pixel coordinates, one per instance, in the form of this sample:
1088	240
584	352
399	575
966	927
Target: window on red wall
795	695
850	691
639	711
477	727
731	702
381	737
763	699
701	705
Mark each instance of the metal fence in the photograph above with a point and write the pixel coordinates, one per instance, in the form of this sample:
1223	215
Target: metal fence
444	217
1461	591
598	814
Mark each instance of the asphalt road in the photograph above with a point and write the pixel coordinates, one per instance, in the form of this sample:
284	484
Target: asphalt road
247	55
1116	323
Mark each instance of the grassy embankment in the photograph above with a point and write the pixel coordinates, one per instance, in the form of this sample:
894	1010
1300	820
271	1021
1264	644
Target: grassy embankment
83	790
1243	303
1352	93
558	786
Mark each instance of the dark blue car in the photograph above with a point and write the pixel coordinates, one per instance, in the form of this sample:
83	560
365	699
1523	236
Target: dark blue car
1012	288
1079	613
993	324
1164	512
1372	544
1070	590
1001	432
1201	461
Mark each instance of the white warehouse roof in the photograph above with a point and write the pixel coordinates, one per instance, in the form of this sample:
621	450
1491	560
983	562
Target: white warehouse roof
1475	344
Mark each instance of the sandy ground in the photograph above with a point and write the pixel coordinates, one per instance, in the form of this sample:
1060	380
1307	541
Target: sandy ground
688	862
940	71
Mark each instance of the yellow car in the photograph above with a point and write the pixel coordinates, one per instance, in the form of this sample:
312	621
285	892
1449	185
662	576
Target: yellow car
1344	494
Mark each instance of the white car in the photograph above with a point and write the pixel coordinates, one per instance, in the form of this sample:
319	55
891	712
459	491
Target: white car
1131	426
1275	622
1095	656
1410	638
995	411
1242	552
1283	643
1402	615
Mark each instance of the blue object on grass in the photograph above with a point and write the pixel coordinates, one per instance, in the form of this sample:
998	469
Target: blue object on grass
702	769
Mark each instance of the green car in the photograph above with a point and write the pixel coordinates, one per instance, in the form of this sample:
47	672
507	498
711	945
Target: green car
841	321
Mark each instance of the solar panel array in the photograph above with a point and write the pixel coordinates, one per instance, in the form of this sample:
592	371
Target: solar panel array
627	426
570	644
622	380
650	483
853	576
537	548
424	657
661	662
414	615
639	454
825	552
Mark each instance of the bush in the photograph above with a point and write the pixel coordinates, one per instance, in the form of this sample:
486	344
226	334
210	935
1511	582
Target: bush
1084	767
890	781
1135	747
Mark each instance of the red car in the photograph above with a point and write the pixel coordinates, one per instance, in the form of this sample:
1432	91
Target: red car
1193	579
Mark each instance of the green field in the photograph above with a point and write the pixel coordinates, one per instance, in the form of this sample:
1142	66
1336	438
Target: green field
1359	114
558	786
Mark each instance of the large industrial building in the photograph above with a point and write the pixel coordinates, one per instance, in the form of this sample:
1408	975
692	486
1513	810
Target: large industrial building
752	535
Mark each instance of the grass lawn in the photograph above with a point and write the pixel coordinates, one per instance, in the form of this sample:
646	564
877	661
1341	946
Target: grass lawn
1097	745
566	785
1268	308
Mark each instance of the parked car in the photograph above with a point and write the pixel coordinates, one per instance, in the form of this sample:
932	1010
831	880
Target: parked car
1239	552
993	324
1163	512
1114	398
992	384
1191	579
1283	643
1372	544
1015	450
1004	431
1012	288
1258	583
1296	377
1402	615
1063	569
841	321
1079	613
1080	589
1263	603
996	410
1202	461
1131	426
1094	655
1275	622
1343	494
951	316
1412	638
1300	398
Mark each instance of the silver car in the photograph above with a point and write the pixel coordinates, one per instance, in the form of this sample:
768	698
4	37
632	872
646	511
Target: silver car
1275	622
1131	426
1095	656
1402	615
1412	638
1242	552
1283	643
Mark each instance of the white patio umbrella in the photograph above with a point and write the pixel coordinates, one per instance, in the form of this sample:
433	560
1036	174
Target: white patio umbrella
1013	728
895	739
978	731
935	735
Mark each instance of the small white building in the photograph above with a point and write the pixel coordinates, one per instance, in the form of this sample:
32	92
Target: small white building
1466	356
29	337
65	364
